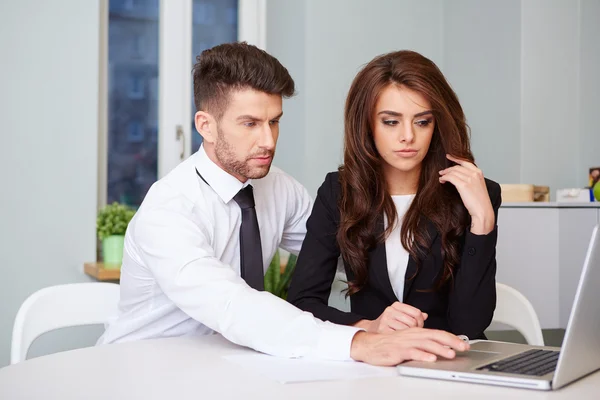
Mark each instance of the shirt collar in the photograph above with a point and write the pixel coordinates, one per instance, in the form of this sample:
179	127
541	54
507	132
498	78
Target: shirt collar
225	185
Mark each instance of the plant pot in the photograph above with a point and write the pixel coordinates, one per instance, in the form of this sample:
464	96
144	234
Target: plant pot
596	191
112	251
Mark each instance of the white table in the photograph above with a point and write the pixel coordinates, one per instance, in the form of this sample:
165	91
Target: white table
193	368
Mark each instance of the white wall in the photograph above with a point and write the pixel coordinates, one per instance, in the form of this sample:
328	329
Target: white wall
324	44
48	150
289	17
524	70
549	84
482	63
589	86
341	36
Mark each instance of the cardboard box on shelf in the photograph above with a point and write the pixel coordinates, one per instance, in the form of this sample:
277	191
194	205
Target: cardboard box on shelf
523	193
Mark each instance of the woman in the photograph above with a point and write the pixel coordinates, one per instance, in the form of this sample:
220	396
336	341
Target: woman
412	217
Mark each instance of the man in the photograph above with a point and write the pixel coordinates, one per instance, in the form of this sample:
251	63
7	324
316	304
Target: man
196	250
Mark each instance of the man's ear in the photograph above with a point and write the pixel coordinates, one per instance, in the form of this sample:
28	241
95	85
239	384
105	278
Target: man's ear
206	125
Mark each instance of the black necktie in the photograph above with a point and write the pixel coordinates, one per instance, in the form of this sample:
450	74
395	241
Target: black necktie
250	247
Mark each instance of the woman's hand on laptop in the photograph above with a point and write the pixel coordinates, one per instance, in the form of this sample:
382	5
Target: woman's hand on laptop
409	344
396	317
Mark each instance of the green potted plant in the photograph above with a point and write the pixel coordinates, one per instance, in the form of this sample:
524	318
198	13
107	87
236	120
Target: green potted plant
111	225
278	276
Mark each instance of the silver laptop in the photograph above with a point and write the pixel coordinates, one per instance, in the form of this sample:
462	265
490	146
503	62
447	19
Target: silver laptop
533	367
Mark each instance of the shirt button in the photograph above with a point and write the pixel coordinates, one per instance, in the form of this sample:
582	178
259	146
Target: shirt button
472	251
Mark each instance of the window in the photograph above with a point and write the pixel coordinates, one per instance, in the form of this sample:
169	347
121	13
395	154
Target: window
137	45
204	13
121	4
213	24
135	132
144	108
132	78
136	86
153	89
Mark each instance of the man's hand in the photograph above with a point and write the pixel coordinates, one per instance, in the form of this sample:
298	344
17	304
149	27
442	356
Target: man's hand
409	344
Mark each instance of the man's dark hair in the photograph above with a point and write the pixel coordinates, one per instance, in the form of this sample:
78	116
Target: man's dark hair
235	66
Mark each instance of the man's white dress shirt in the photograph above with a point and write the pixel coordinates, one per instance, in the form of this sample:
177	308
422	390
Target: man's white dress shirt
181	265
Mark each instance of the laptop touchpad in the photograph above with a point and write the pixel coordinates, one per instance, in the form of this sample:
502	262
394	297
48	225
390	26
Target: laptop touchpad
463	361
476	355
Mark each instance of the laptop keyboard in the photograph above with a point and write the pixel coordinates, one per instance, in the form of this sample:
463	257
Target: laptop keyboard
531	362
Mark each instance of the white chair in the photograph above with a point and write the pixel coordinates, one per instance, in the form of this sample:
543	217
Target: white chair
513	309
61	306
337	296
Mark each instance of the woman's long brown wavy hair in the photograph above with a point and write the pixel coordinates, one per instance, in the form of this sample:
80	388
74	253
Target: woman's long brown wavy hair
365	196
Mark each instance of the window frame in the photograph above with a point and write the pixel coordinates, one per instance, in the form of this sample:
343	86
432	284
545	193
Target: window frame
175	90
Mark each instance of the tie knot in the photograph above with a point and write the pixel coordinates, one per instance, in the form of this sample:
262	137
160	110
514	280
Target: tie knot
245	198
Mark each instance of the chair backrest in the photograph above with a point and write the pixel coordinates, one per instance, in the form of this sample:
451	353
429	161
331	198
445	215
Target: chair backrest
61	306
337	295
513	309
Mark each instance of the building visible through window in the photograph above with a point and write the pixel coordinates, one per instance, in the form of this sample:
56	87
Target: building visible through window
133	81
132	100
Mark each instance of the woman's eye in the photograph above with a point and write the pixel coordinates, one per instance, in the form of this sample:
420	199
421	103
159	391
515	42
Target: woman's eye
390	122
423	122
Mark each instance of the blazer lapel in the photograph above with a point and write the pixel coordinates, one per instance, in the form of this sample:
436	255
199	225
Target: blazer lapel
378	268
411	269
409	278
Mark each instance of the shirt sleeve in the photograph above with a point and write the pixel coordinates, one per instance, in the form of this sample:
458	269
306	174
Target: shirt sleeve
178	252
299	205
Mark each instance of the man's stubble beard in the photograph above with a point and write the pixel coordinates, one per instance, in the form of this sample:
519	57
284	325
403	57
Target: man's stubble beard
226	157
